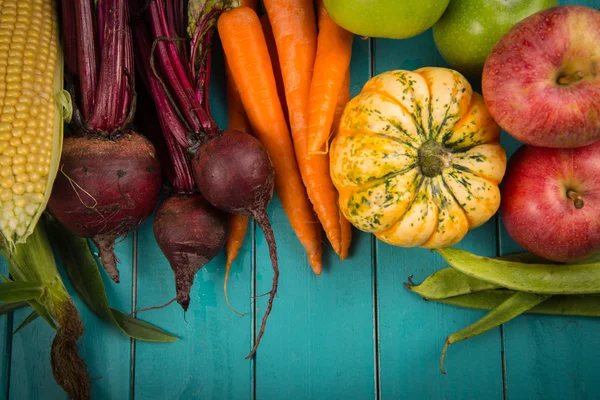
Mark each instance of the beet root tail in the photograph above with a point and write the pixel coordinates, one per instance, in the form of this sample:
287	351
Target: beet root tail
263	221
184	279
106	249
68	368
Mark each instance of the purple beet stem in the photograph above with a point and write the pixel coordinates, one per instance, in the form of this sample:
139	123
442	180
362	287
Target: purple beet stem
112	83
174	132
87	54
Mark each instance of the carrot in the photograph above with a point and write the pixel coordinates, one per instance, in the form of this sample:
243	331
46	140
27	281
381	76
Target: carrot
268	32
334	50
238	224
244	45
343	99
295	32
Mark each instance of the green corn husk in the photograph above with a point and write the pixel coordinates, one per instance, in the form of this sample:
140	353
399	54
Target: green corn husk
31	265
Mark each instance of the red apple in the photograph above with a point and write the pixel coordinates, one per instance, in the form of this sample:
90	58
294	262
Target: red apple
551	201
541	82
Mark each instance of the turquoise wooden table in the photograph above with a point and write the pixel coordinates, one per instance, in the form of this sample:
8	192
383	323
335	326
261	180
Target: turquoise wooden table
353	333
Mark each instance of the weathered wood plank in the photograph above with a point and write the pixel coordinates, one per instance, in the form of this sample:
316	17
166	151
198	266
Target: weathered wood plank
208	361
5	342
319	338
105	349
412	331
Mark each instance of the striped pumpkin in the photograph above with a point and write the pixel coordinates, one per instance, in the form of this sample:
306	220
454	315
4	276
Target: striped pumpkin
417	159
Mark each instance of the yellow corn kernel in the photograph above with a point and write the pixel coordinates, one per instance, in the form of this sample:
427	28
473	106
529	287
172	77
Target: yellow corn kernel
30	118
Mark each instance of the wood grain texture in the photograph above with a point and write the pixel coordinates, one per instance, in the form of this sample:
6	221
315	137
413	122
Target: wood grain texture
208	361
319	338
412	331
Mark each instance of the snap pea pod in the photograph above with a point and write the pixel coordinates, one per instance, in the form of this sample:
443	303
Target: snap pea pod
449	282
512	307
576	305
532	278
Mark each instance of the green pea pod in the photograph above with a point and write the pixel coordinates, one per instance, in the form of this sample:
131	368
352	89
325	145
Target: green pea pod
512	307
449	282
576	305
532	278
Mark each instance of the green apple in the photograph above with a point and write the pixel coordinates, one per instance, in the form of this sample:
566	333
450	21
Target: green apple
396	19
468	30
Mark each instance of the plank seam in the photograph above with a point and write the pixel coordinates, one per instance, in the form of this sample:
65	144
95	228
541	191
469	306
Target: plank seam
253	328
132	341
502	347
9	329
377	365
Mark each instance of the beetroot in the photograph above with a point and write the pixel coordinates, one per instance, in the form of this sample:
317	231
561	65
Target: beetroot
190	232
110	176
231	169
234	172
106	188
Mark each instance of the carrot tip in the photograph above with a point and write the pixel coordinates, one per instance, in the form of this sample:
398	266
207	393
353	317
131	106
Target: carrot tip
316	263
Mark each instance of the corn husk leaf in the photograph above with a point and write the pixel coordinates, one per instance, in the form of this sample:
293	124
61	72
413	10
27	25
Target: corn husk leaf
83	273
10	307
11	292
30	318
42	312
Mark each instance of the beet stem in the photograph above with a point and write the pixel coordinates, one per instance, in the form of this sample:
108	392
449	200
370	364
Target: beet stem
87	55
112	87
171	121
263	221
155	46
70	36
173	69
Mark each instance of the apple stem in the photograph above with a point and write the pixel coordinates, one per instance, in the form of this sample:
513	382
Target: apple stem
577	200
568	79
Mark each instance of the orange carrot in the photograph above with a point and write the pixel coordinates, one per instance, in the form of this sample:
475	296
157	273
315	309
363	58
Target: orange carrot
268	32
343	99
244	44
334	50
238	224
295	32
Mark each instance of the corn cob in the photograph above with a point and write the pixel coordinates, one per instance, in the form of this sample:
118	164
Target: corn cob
31	125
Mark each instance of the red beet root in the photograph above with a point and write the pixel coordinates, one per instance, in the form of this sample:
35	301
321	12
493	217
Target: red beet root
190	232
106	188
234	173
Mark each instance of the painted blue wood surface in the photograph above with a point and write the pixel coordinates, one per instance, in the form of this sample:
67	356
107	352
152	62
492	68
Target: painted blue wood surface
208	361
550	357
5	342
412	332
106	350
319	340
353	332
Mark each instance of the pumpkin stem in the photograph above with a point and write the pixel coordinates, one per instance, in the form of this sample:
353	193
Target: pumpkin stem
433	158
